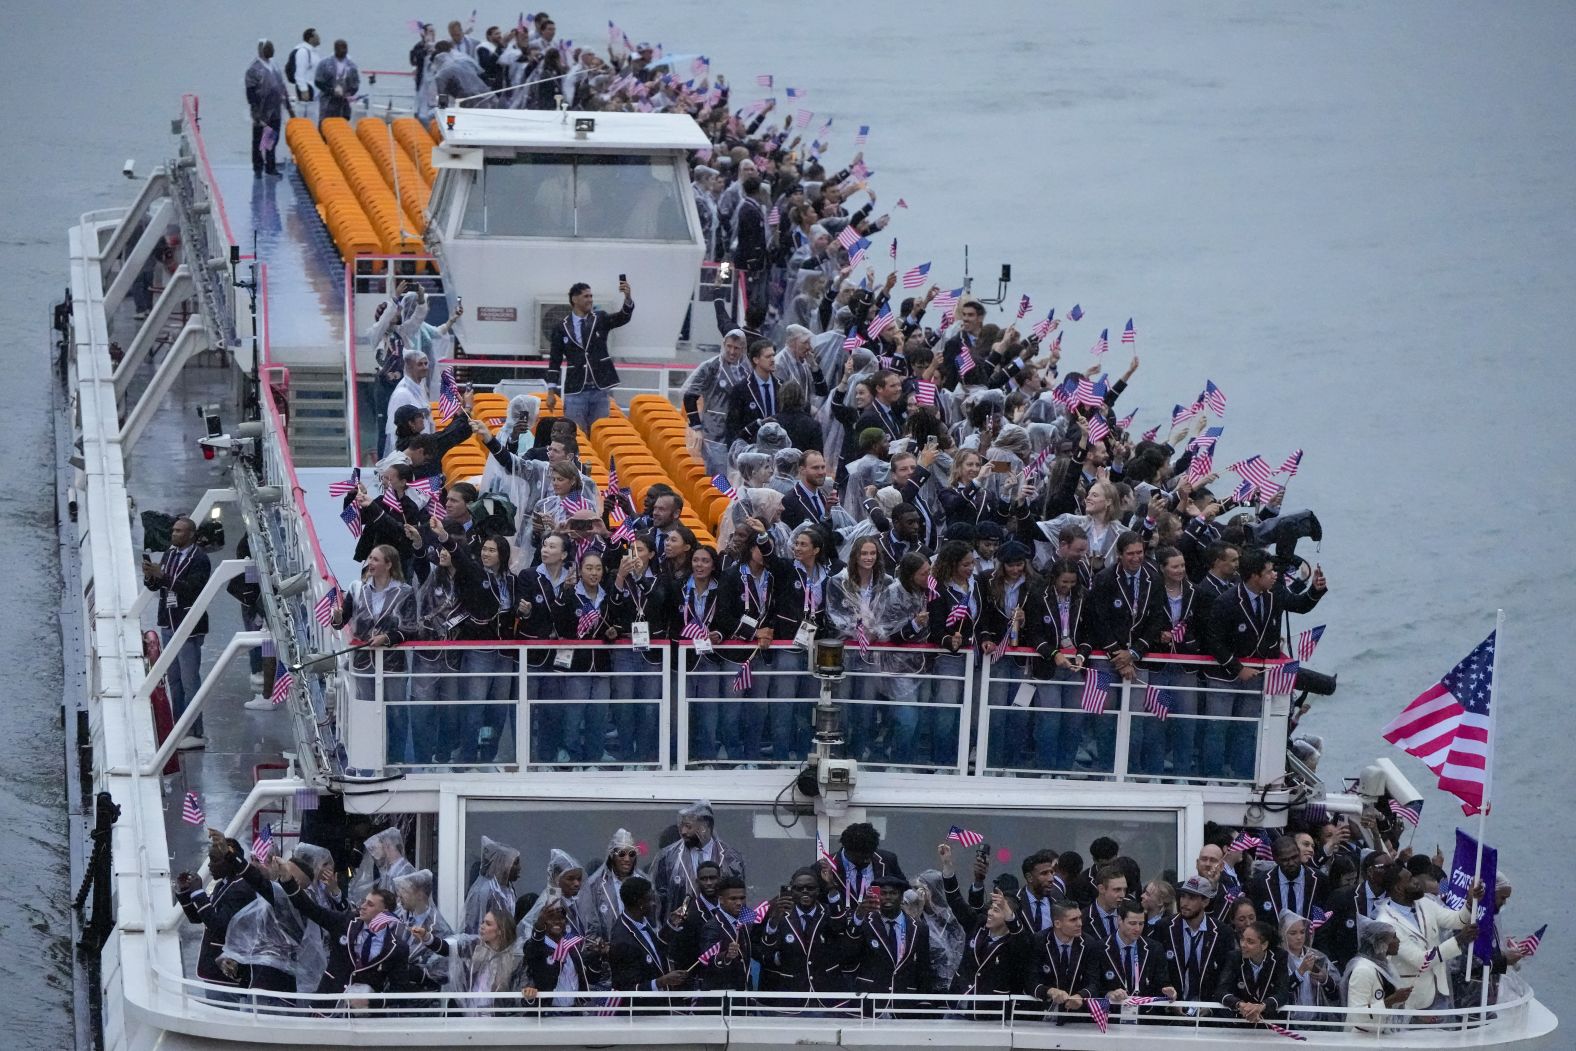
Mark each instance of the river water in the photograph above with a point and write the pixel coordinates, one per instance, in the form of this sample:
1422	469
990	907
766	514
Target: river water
1355	218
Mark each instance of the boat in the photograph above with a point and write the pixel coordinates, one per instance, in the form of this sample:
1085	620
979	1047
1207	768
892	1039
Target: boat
257	319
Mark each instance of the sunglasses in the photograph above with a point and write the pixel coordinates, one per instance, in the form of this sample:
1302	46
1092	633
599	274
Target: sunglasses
625	853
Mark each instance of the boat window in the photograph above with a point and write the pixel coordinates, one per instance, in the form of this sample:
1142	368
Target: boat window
560	195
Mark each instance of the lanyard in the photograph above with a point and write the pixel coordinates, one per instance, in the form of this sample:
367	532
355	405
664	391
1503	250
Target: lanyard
755	589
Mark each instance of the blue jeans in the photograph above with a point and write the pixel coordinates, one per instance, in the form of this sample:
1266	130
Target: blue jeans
703	684
490	676
547	718
1228	747
793	694
1176	735
585	723
586	407
862	684
184	676
1009	727
946	697
1058	722
637	723
902	717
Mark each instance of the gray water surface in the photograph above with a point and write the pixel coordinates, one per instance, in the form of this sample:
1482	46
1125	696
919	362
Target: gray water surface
1355	218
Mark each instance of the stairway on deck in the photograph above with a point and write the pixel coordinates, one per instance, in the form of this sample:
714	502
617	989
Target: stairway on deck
317	417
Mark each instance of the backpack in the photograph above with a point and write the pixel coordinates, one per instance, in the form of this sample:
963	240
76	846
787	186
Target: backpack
290	66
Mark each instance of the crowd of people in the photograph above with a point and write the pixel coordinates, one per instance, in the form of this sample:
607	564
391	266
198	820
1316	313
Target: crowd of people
1334	915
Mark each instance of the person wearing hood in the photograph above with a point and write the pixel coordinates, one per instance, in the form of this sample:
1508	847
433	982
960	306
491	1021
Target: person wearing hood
545	971
565	875
494	885
598	905
460	77
382	862
311	957
266	96
1372	986
674	874
337	80
366	945
428	970
485	962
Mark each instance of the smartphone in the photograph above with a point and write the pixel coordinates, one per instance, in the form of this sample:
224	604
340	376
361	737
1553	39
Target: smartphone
622	278
983	852
932	442
355	475
782	891
1001	466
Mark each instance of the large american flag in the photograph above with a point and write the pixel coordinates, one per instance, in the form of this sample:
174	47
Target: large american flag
1128	335
1411	813
965	836
1308	641
1096	691
1528	946
1447	726
915	276
1213	397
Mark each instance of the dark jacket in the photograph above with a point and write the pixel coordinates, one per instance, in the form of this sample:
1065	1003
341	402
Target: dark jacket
1124	620
719	973
178	580
882	969
590	351
636	964
1236	984
215	911
805	954
1194	979
1234	633
355	954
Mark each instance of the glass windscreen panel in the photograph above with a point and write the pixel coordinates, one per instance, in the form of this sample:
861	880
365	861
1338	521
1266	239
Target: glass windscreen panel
571	196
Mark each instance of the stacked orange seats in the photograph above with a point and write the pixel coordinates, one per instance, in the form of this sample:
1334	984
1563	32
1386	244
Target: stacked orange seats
395	229
398	170
337	206
413	138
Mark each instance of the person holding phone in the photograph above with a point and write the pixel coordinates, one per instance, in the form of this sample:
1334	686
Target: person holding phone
578	353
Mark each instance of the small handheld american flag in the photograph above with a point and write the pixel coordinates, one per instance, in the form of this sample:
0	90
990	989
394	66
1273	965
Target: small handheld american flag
1043	327
763	80
1214	398
1317	918
1099	430
862	640
798	93
191	810
946	299
720	483
448	394
848	236
965	362
1155	702
1181	414
760	911
915	276
710	954
1411	813
931	591
901	203
1100	1011
623	527
880	323
382	921
1528	946
802	119
964	836
282	686
1025	304
1152	433
856	255
589	619
1289	465
391	500
1096	691
1076	313
1307	640
1244	843
860	138
565	945
1280	1030
1199	467
774	217
1128	334
1280	680
263	843
324	610
1102	344
957	615
1255	470
745	679
924	393
342	489
822	854
351	516
694	630
1428	961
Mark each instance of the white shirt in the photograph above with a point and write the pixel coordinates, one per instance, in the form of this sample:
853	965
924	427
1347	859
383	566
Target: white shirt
306	59
409	392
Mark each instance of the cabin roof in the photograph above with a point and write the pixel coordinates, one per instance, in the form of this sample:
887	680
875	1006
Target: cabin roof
614	131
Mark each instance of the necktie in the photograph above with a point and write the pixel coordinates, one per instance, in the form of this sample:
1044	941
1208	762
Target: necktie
768	406
1192	963
1258	607
1038	925
1132	583
1291	895
1110	925
897	950
1132	968
1064	971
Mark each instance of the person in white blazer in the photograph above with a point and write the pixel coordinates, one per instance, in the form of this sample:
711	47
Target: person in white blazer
1423	924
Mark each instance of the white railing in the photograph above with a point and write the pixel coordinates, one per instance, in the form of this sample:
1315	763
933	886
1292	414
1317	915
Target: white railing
606	1017
905	707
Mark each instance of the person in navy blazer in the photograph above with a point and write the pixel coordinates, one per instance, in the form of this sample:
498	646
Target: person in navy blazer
578	360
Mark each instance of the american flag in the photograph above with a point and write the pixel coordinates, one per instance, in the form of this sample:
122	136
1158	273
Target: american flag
1317	918
801	120
1180	415
1151	434
1428	961
946	299
1199	467
1208	439
1100	1011
1043	327
854	340
587	623
1528	946
763	80
263	843
1411	813
1102	344
1447	726
880	323
391	501
893	251
435	509
915	276
902	203
719	482
191	810
623	527
857	255
1213	397
965	362
448	394
1099	430
1155	702
710	954
1145	1001
562	949
612	477
1289	465
1254	470
1091	394
699	65
1245	844
957	614
1280	1030
931	591
1280	680
351	516
306	799
759	912
382	921
860	138
924	393
342	489
431	485
964	836
797	93
282	686
1128	335
774	217
858	170
611	1007
1243	493
1024	305
694	629
1041	458
862	639
1076	313
1096	691
848	236
1307	641
324	610
745	679
571	502
821	853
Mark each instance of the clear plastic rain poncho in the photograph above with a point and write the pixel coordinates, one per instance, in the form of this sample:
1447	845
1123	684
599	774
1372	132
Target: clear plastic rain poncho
894	609
558	863
765	504
599	906
382	862
492	889
476	967
947	938
312	955
417	909
849	606
256	938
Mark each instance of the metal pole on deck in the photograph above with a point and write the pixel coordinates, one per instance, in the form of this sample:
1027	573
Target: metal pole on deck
1488	786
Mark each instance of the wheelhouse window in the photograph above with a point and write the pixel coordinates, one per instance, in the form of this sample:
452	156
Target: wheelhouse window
560	195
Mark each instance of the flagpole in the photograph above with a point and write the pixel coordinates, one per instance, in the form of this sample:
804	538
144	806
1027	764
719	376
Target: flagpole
1488	785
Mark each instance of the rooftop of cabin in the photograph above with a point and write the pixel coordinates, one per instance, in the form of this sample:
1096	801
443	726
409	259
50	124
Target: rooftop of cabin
532	128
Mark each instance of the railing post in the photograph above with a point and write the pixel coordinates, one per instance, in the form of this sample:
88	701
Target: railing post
664	716
682	733
982	751
965	716
522	712
1124	731
381	733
